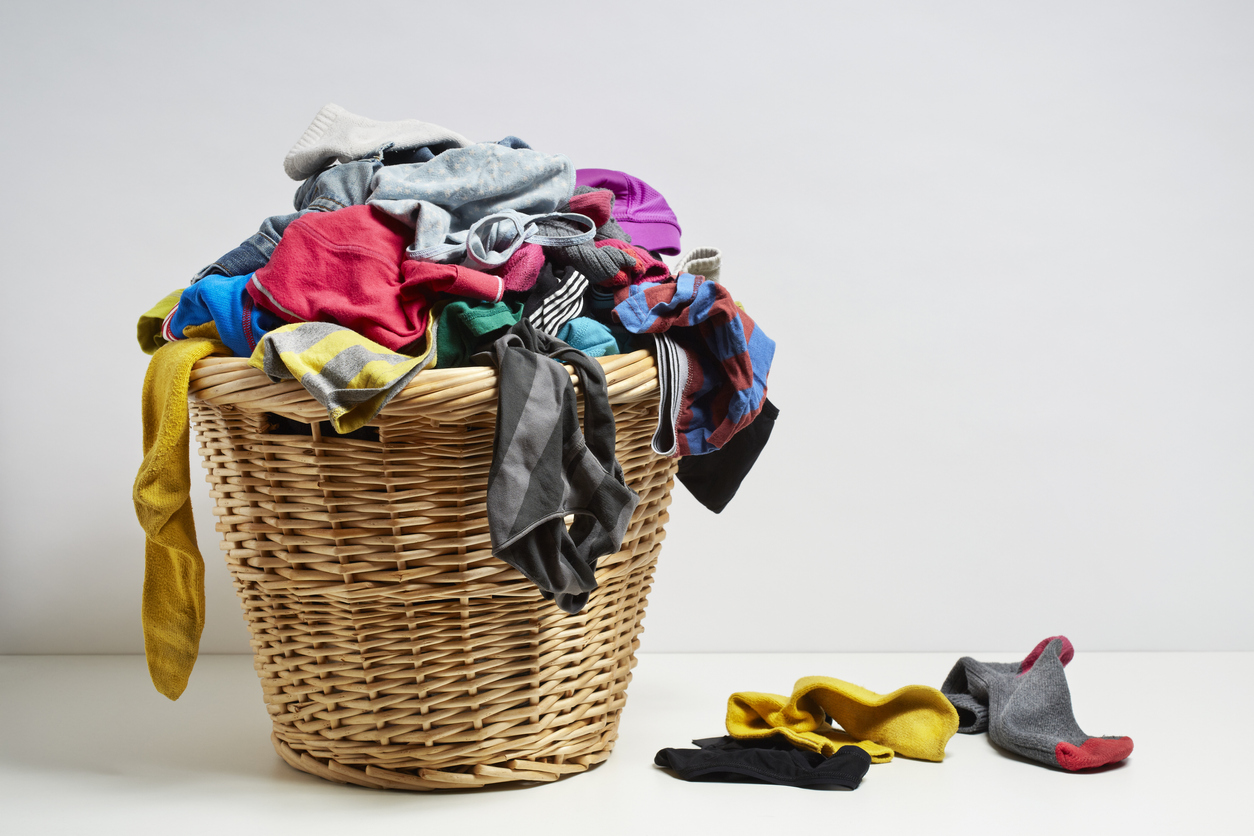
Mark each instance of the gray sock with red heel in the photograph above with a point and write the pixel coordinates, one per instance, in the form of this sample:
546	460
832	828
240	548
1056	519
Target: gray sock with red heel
1026	708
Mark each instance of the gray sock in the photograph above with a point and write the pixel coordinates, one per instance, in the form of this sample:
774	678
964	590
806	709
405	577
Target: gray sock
597	263
1026	708
336	134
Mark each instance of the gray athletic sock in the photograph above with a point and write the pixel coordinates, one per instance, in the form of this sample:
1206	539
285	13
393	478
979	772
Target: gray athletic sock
1026	708
972	711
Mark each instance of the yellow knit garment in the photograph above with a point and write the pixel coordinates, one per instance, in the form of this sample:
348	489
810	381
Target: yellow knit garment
148	330
173	608
915	721
365	375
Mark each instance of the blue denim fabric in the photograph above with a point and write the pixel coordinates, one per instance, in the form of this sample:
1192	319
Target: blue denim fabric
463	185
405	156
335	188
253	253
339	186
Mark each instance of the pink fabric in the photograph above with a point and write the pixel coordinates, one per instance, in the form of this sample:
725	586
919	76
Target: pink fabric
596	205
1092	753
523	267
1066	654
425	277
348	267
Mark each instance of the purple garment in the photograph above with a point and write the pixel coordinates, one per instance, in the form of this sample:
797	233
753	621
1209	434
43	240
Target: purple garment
639	208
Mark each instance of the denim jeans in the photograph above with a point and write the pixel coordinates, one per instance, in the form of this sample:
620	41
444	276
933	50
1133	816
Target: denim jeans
335	188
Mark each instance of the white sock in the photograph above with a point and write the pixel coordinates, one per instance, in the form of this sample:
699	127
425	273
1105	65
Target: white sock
336	134
702	261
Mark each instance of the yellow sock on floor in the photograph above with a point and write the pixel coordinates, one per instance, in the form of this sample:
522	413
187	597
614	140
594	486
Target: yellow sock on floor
915	721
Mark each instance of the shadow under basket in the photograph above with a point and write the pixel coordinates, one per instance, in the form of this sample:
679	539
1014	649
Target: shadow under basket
394	649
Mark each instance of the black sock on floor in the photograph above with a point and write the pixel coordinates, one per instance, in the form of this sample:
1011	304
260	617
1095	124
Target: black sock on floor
728	760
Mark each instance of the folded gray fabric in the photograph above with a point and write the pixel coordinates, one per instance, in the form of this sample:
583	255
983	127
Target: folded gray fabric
545	468
493	239
599	264
335	135
443	198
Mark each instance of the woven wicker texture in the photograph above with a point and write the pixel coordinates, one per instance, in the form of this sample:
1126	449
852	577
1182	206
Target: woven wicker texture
393	649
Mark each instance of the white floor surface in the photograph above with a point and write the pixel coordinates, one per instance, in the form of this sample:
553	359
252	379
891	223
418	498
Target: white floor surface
88	747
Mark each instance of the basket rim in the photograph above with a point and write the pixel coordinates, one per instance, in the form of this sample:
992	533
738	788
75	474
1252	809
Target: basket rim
231	381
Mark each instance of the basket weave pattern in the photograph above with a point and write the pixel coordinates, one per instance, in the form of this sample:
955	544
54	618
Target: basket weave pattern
393	649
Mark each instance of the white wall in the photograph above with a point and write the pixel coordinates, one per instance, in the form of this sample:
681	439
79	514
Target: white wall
1006	251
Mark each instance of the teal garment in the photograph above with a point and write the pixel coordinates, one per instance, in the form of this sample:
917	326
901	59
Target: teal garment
589	336
466	326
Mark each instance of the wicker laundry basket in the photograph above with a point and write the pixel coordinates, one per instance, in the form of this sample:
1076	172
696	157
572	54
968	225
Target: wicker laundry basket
393	649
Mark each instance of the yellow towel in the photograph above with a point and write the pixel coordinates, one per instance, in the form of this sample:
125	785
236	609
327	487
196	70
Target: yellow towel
174	573
915	721
149	329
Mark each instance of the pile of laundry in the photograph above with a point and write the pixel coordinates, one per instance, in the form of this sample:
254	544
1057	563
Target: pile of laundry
413	244
412	247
